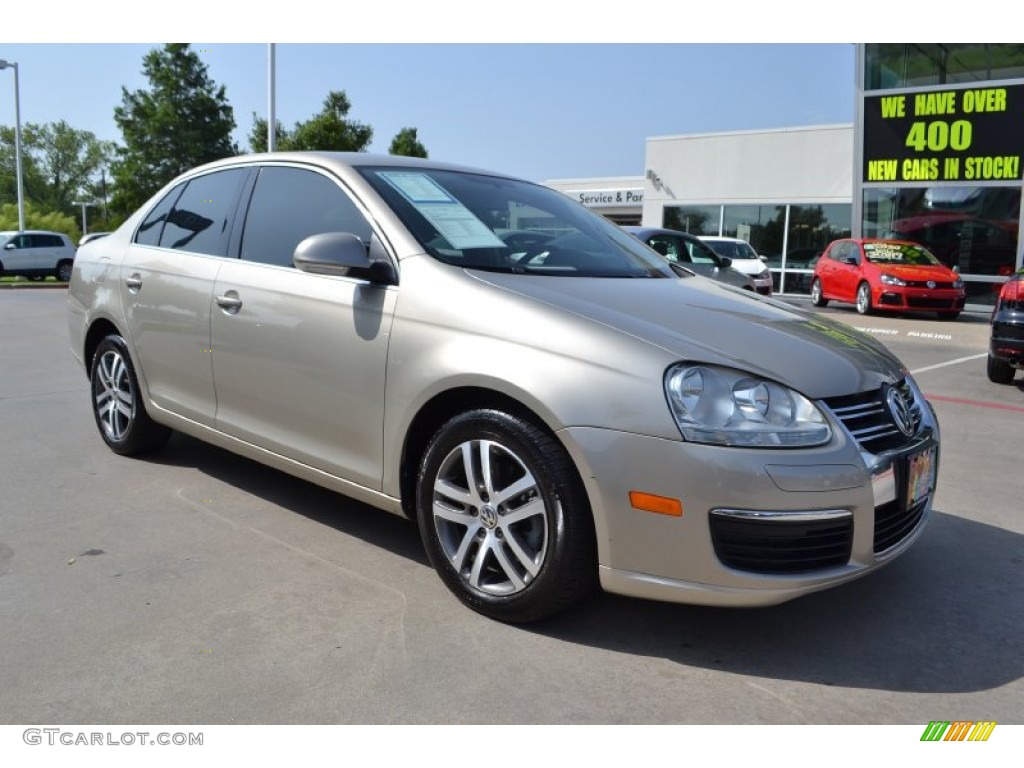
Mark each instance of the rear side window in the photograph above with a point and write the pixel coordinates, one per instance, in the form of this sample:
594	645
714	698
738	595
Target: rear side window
153	226
290	204
200	219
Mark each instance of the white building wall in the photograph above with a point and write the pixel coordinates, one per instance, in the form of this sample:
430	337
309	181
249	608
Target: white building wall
789	165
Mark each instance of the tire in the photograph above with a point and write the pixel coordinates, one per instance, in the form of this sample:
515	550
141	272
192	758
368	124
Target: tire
63	272
948	315
37	278
817	295
515	541
999	371
864	299
117	403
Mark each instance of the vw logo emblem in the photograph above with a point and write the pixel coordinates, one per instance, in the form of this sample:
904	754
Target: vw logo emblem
900	410
931	283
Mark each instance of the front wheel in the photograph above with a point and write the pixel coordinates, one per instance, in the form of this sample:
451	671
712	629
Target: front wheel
999	371
864	299
817	296
504	517
117	402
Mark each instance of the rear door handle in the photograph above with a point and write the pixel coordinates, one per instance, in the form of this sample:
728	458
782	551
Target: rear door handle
229	302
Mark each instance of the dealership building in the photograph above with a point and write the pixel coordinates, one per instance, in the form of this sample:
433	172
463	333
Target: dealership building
933	156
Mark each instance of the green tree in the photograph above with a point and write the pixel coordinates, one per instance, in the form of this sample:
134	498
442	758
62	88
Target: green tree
68	159
33	182
183	120
331	130
39	218
406	143
258	135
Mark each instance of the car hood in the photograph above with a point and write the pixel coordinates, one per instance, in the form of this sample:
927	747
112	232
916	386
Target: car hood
749	266
918	272
699	320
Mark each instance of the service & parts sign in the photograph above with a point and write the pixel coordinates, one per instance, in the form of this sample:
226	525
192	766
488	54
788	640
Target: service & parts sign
957	134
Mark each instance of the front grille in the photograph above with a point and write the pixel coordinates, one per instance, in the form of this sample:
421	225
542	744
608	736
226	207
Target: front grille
924	284
894	522
774	546
915	301
867	418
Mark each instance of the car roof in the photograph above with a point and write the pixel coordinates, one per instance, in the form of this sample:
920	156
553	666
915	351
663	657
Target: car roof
342	161
643	232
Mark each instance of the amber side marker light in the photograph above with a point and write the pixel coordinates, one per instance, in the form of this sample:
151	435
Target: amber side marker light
661	505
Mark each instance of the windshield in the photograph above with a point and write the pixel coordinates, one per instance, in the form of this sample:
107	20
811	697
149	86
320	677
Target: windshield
504	225
734	250
899	253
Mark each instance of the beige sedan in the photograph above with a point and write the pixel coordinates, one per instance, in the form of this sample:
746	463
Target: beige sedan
553	405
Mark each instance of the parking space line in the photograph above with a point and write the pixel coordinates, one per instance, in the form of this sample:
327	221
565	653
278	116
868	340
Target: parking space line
949	362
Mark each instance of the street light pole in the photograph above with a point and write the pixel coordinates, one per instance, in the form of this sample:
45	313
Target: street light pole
17	142
85	226
271	118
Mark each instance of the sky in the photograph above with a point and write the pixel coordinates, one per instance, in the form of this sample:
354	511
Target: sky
539	90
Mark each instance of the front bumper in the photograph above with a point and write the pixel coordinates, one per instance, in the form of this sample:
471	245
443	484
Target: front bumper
919	299
862	499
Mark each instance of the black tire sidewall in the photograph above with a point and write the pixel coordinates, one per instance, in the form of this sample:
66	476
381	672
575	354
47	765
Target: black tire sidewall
142	435
563	577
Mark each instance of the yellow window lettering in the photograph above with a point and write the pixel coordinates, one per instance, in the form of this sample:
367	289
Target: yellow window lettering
921	169
935	104
985	100
882	170
1005	167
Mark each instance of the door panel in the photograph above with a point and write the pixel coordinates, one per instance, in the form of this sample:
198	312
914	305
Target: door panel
299	364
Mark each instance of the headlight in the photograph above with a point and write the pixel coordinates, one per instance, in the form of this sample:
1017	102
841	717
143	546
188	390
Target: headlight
958	283
721	406
891	280
764	275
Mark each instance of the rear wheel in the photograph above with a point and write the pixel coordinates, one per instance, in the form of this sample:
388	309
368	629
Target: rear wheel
864	299
817	296
63	272
504	517
999	371
117	402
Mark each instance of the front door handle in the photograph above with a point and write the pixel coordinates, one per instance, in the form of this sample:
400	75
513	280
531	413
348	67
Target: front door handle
134	283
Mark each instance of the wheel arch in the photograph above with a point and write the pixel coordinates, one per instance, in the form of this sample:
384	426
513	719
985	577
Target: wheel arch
99	330
443	406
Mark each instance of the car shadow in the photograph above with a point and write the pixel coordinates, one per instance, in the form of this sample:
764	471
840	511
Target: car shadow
321	505
946	617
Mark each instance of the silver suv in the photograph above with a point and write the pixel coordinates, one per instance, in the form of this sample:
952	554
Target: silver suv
553	405
36	254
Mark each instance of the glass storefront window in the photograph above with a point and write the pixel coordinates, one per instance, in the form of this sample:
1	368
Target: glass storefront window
974	229
811	229
759	225
695	219
914	65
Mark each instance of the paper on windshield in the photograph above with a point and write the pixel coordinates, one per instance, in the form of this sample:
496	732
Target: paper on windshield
454	221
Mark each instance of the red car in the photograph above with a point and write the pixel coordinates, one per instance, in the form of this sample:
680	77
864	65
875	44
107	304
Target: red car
895	275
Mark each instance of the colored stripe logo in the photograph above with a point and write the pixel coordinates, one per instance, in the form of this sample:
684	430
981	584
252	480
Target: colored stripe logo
958	730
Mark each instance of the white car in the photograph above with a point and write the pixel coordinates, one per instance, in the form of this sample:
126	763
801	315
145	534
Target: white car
744	259
36	255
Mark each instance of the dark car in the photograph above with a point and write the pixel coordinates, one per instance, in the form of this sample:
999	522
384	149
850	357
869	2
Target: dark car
1006	347
892	275
691	252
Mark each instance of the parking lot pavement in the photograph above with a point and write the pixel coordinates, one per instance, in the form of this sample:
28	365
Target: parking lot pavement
197	587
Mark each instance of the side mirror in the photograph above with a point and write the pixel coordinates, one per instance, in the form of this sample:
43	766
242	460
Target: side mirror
725	262
852	260
341	253
763	258
10	247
